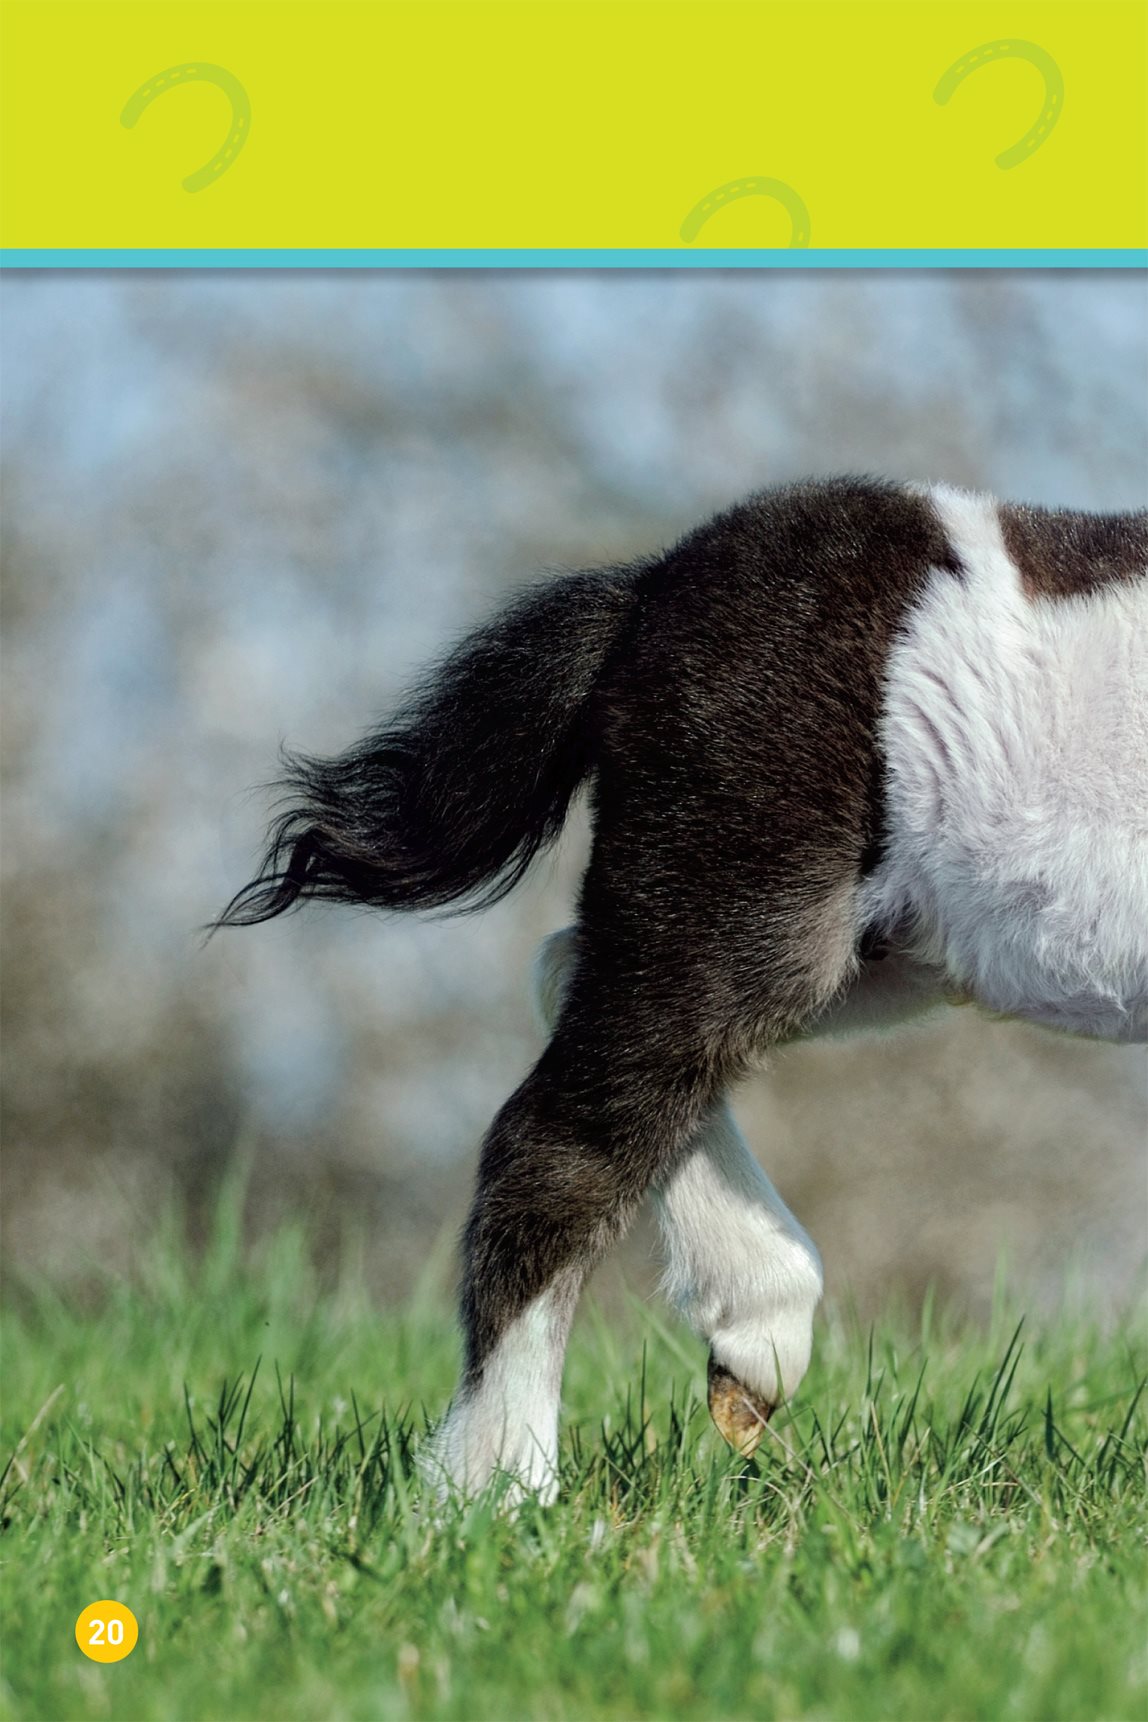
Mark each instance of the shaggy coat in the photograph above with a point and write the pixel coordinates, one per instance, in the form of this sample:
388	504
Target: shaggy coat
853	749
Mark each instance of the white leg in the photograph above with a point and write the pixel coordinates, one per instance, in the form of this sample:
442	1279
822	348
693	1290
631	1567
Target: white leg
508	1424
742	1272
740	1268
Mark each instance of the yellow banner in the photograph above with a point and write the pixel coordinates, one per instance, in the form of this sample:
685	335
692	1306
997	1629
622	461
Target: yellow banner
575	124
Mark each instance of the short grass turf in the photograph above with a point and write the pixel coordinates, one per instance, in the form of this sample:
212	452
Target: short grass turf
950	1523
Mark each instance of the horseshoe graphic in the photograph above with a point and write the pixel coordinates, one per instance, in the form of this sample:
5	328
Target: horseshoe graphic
737	188
1012	50
199	71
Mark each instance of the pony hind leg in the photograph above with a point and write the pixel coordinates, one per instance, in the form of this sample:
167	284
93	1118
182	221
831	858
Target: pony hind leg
562	1172
740	1268
742	1272
649	1028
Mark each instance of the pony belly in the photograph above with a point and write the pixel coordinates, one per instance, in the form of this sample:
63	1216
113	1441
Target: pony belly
1064	947
1015	734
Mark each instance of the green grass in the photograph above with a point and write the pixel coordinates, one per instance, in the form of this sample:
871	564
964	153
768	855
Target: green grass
950	1524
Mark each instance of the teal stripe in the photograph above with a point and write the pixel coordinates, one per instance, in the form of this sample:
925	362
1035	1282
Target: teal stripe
277	258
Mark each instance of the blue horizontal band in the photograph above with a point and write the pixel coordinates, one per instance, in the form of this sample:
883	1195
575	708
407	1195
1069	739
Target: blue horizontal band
319	258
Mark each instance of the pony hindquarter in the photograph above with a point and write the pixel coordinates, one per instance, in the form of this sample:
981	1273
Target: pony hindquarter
835	741
739	1268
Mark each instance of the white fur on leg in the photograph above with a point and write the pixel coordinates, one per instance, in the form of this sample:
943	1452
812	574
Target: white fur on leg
740	1268
507	1424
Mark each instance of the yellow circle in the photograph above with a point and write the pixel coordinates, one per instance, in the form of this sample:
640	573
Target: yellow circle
107	1631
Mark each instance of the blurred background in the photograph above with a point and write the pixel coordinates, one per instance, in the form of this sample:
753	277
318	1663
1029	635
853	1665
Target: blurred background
240	510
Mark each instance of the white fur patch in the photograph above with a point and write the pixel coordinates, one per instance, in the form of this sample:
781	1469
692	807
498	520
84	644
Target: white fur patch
739	1267
508	1424
1016	737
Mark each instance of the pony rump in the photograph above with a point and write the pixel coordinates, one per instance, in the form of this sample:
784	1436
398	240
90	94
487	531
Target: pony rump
450	802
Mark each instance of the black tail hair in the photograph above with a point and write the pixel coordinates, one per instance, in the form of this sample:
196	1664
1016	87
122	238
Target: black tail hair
452	801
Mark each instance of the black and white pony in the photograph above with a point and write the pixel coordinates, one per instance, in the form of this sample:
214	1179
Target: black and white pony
855	749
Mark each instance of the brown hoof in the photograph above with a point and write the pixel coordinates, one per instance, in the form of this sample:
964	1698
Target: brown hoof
740	1414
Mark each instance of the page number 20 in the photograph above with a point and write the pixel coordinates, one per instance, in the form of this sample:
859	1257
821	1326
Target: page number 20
107	1631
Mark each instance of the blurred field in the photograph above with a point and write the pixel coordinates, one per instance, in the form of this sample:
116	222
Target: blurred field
949	1523
240	510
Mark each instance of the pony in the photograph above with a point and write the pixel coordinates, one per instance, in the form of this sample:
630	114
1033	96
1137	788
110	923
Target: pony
855	749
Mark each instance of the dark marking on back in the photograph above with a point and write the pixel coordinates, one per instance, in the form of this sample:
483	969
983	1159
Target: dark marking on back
1065	553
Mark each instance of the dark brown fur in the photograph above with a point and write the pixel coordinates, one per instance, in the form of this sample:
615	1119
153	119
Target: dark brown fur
736	753
1063	553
